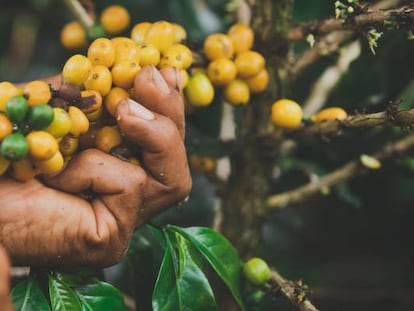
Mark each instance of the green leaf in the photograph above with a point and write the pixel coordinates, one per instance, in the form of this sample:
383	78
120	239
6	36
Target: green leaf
27	296
62	297
181	285
100	296
165	295
219	252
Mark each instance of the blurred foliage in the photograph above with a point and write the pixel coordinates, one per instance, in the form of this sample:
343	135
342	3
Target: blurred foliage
357	237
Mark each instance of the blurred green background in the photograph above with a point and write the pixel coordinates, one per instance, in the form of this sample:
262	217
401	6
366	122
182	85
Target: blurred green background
353	247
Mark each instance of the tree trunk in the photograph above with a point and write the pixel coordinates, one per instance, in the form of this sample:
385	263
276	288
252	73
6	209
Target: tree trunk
251	166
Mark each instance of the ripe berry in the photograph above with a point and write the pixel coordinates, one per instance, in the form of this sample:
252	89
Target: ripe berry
259	82
124	72
249	64
332	113
112	99
221	71
237	92
37	92
115	19
160	34
286	113
218	45
107	137
100	79
139	32
73	36
148	54
76	69
101	52
242	37
42	145
7	91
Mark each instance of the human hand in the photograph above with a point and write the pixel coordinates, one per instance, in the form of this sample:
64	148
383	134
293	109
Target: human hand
50	224
5	304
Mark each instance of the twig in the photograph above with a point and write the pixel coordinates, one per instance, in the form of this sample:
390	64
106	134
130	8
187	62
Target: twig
80	13
330	78
348	171
399	17
330	43
296	292
392	116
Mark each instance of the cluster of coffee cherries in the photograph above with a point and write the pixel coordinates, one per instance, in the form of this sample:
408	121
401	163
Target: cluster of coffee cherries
232	65
41	128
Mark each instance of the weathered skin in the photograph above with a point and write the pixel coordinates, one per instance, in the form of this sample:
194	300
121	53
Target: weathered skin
52	225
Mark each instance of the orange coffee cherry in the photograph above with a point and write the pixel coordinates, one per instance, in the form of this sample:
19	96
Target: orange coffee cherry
286	113
115	19
242	37
218	45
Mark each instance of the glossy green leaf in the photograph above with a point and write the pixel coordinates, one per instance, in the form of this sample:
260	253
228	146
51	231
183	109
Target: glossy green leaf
181	285
219	252
165	295
62	297
100	296
27	296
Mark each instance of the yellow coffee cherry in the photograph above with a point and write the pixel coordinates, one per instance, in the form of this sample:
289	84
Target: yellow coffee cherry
124	73
95	115
249	64
242	37
259	82
112	99
286	113
199	91
184	78
161	34
119	40
126	51
115	19
101	52
178	56
218	45
76	69
107	137
100	79
52	165
139	32
68	145
6	127
237	92
42	145
73	36
221	71
4	165
91	101
7	91
61	123
148	54
180	33
79	121
37	92
329	114
23	170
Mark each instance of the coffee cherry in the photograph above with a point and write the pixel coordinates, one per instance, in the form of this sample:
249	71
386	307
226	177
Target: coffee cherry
221	71
148	54
160	34
73	36
286	113
115	19
242	37
249	64
76	69
139	31
258	83
237	92
218	45
256	271
7	91
101	52
199	90
100	79
329	114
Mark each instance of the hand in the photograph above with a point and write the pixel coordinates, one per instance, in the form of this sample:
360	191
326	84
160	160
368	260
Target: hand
52	225
5	304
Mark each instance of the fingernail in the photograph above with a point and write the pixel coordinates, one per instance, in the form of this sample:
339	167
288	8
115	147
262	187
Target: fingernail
159	81
139	111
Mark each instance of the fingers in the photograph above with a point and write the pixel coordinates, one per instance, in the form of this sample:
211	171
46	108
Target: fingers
164	153
115	183
161	92
4	281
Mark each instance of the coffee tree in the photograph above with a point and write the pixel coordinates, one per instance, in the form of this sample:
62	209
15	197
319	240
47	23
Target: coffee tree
288	111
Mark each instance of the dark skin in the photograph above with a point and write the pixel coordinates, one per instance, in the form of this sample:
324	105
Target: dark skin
48	224
5	304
